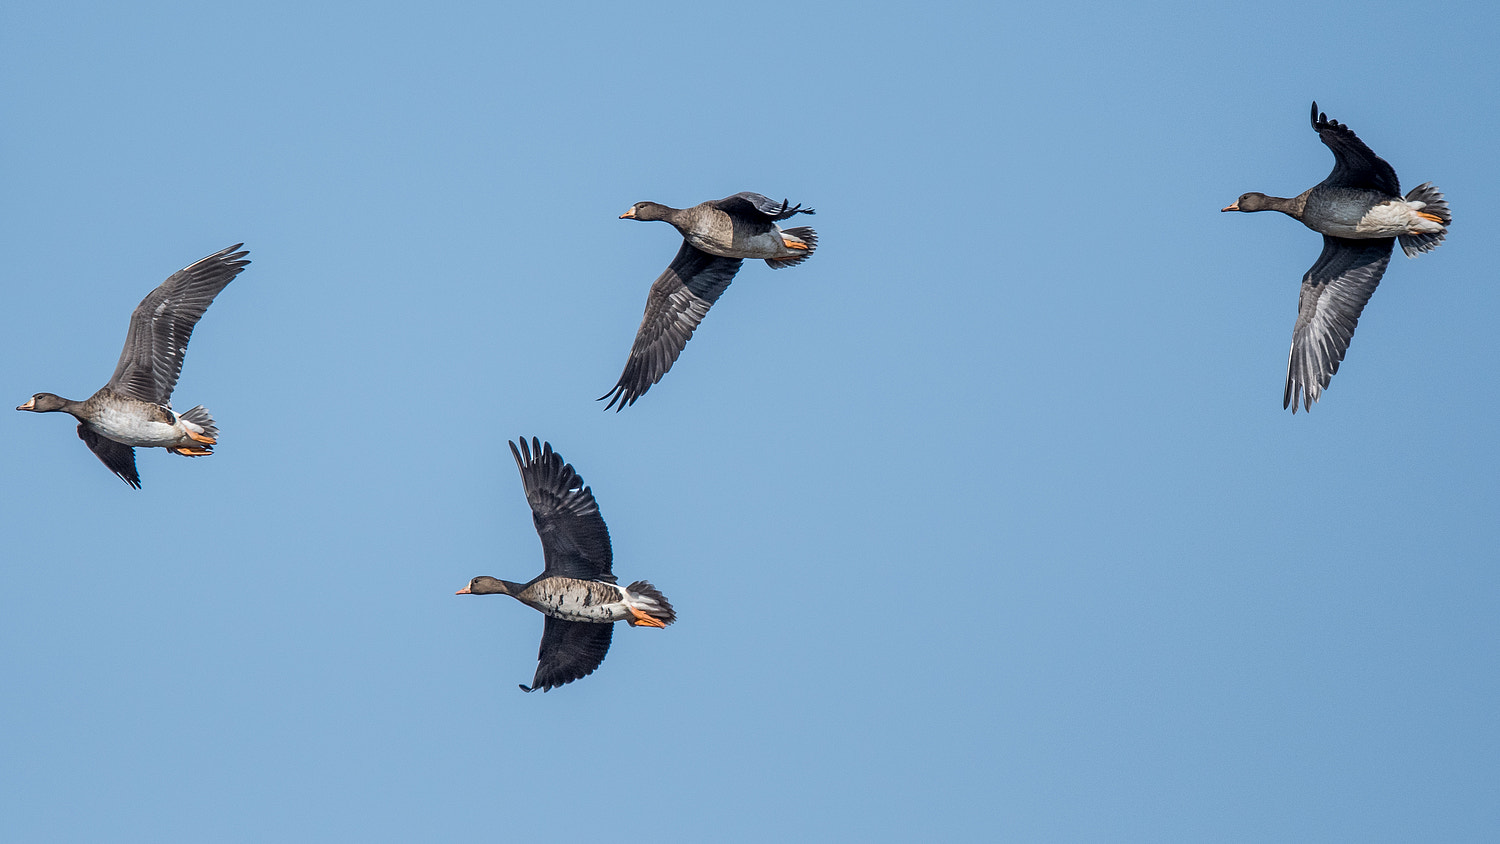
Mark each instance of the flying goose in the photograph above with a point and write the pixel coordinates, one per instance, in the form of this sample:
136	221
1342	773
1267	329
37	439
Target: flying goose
1360	212
716	237
135	407
576	589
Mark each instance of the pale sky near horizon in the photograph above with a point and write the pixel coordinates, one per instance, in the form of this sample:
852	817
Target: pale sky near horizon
986	523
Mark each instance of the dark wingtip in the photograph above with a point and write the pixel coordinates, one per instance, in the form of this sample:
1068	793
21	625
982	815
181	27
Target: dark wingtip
1320	120
1301	396
529	455
617	397
788	210
231	256
525	688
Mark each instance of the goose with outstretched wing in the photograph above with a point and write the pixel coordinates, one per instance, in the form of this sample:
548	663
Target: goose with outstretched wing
717	237
576	590
1361	214
135	408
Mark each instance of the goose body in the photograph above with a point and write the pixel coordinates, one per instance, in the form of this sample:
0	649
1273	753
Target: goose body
739	226
717	237
767	245
134	409
573	599
136	423
576	591
1361	214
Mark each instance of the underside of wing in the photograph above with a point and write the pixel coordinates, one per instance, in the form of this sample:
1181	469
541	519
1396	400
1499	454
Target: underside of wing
163	323
575	541
1355	165
677	303
1334	293
117	457
570	650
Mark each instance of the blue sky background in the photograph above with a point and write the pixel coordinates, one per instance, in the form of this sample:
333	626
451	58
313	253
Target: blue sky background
984	524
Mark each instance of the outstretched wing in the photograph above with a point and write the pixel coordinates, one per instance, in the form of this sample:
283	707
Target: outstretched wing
117	457
1354	165
163	323
570	649
575	542
678	301
1334	293
754	204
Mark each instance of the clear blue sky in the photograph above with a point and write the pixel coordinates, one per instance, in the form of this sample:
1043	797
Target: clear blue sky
985	524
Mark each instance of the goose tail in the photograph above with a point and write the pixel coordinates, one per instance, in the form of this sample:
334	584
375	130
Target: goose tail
649	600
199	416
806	235
1435	205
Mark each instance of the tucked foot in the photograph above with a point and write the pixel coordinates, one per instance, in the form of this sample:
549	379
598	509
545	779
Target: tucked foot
1426	216
792	243
191	451
197	437
643	620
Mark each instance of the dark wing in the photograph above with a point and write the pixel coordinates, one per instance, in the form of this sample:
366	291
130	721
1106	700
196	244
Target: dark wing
570	649
163	323
1354	165
118	457
678	301
575	542
749	204
1334	293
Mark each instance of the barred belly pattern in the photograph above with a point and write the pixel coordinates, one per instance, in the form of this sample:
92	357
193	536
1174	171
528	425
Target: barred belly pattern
578	600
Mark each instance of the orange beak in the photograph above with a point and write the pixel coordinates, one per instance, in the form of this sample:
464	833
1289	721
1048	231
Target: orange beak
629	215
30	403
463	591
1234	207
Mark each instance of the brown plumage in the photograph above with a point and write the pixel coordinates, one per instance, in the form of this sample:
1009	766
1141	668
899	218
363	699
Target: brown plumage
717	237
135	407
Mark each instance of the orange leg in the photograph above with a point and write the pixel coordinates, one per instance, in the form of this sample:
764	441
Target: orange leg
643	620
190	451
1426	216
197	437
793	243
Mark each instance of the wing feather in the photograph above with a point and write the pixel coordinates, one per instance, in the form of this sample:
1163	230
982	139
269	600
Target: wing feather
575	541
1355	165
677	303
748	203
570	650
117	457
163	323
1334	294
